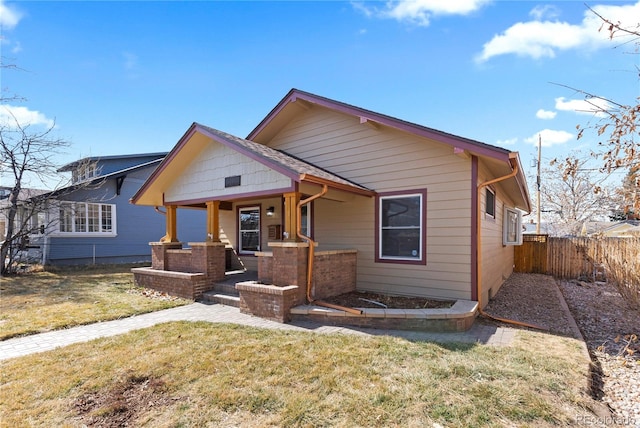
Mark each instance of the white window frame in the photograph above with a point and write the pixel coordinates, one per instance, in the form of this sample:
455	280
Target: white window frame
512	227
420	258
79	211
306	225
240	230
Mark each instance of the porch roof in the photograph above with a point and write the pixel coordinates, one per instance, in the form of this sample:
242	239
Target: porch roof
296	169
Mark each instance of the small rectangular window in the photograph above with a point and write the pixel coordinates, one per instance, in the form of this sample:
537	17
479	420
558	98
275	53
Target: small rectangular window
401	220
490	203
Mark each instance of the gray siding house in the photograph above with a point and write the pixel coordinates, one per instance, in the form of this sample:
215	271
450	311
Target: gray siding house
92	222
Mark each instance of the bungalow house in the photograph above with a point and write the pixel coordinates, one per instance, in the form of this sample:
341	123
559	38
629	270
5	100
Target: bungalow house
328	197
91	221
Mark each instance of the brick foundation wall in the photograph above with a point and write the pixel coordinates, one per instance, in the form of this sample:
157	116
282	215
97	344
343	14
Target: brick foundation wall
334	273
267	301
185	285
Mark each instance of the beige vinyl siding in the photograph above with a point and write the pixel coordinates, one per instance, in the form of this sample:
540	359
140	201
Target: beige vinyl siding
389	160
200	180
497	259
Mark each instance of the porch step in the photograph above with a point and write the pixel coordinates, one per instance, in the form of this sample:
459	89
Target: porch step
221	298
222	288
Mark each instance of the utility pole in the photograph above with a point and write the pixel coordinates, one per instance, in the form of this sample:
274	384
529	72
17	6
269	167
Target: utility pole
538	185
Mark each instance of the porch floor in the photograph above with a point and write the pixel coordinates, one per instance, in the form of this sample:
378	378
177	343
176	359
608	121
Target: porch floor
235	276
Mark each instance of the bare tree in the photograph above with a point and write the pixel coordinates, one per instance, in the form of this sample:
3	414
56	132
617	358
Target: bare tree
617	126
28	156
570	198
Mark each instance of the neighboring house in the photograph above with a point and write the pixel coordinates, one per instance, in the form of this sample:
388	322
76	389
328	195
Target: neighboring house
427	213
531	228
91	221
617	229
5	205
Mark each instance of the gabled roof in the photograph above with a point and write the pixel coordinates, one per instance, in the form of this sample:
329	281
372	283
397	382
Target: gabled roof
297	101
72	165
94	180
292	167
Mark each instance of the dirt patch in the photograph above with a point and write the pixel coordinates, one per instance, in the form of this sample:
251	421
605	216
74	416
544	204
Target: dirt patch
358	299
120	405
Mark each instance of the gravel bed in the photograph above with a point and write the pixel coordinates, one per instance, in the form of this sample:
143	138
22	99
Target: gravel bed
611	329
609	326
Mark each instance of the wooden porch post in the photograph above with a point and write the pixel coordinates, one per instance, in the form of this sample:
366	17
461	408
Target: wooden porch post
291	200
213	221
172	230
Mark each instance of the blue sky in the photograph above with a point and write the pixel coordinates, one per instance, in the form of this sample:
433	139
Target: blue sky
130	77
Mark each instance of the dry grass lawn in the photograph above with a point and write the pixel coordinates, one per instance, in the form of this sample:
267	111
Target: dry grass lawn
43	301
209	375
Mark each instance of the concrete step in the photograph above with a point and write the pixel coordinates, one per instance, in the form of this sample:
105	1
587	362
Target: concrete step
221	298
226	289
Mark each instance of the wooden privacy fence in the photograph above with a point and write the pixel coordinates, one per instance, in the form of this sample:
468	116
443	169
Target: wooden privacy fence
566	258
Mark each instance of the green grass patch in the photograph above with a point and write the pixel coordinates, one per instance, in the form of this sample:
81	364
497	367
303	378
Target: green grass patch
201	374
36	302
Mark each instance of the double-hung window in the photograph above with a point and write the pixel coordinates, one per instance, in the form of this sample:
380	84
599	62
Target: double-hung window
512	227
249	229
85	218
401	227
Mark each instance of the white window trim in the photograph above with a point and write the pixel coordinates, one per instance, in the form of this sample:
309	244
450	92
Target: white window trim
309	232
110	234
421	257
249	208
509	214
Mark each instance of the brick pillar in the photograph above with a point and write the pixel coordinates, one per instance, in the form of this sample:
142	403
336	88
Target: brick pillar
159	253
290	266
209	258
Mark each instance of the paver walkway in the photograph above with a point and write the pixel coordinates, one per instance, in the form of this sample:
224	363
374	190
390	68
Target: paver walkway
17	347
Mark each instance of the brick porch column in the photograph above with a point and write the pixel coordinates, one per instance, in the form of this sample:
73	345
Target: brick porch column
290	266
159	253
209	258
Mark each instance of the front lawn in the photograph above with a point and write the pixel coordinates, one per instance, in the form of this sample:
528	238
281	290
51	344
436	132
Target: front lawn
208	375
42	301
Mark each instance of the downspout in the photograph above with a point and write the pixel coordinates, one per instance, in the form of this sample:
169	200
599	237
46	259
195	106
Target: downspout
312	245
479	249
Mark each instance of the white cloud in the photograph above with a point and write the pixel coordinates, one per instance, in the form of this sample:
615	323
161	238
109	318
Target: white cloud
539	39
592	106
508	142
9	115
547	11
9	16
419	12
545	114
550	137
